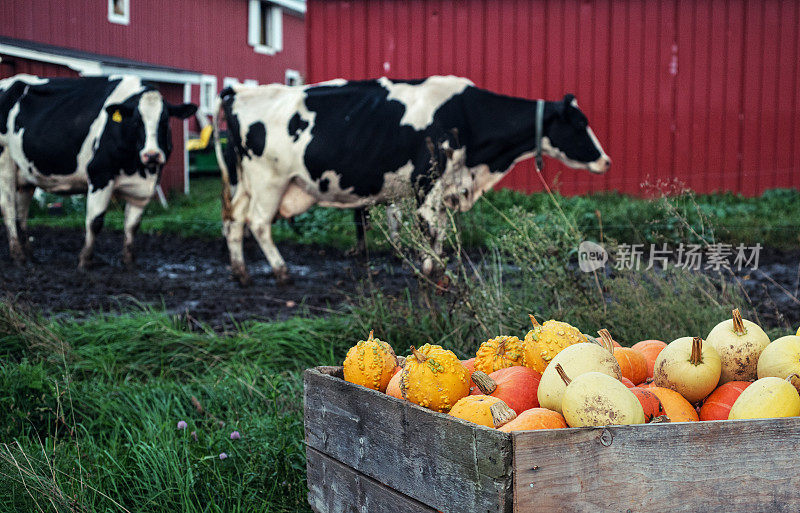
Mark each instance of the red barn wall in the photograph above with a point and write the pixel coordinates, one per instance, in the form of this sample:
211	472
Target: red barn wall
700	91
206	36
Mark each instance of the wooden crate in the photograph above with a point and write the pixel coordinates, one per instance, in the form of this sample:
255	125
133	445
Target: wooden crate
371	453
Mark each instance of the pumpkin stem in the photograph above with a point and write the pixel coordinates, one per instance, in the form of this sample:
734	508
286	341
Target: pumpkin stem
501	347
660	419
486	384
370	335
401	361
738	325
502	414
563	374
789	377
607	341
697	351
419	356
534	321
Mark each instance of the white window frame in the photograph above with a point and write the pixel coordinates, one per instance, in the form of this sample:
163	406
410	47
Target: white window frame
229	82
275	18
208	93
293	74
121	19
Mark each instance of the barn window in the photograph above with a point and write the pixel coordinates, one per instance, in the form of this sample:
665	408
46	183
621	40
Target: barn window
293	77
208	93
119	11
265	27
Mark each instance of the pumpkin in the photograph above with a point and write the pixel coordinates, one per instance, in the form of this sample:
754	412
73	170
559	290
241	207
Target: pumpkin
576	359
546	340
650	349
628	383
393	388
632	364
536	418
499	353
739	343
516	386
677	408
470	366
597	399
717	406
651	404
767	398
370	363
484	410
689	367
781	359
434	378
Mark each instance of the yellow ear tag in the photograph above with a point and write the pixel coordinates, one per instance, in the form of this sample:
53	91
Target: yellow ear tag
117	117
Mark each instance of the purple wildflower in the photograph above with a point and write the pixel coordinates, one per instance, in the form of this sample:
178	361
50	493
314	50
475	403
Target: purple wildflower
182	424
235	435
222	455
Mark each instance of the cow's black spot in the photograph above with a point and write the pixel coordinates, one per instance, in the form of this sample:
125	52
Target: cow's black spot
97	223
256	138
7	100
234	150
324	184
296	126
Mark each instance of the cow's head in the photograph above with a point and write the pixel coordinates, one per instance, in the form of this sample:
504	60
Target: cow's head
568	138
144	126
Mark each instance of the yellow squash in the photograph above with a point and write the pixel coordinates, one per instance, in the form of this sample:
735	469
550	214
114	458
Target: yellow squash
370	363
434	378
484	410
499	353
767	398
546	340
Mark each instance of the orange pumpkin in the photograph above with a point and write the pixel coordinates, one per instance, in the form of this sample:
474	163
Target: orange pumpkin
469	364
536	418
650	349
676	407
393	388
632	363
484	410
651	404
628	383
717	405
517	386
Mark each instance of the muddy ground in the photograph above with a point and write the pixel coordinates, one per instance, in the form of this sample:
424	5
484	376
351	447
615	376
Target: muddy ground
192	275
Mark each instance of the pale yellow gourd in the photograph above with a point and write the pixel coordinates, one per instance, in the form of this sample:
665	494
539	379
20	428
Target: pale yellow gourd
597	399
739	343
576	359
767	398
781	358
689	367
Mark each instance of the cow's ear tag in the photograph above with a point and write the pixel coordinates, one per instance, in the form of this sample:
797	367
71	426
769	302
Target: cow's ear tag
117	117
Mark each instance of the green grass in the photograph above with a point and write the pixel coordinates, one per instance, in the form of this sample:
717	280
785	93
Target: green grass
772	219
89	410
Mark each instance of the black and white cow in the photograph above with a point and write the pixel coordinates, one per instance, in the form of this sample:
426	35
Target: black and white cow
95	135
353	144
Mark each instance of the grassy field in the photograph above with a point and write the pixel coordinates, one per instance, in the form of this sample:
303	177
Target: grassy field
90	409
731	218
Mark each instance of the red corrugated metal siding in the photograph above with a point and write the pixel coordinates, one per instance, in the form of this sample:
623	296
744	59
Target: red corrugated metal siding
701	91
206	36
11	66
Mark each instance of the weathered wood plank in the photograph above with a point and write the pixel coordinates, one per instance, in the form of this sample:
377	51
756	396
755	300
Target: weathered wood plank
732	466
445	463
337	488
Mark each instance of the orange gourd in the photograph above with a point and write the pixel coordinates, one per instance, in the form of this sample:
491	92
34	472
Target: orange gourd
650	349
393	388
470	366
484	410
651	404
517	386
499	353
632	363
676	407
717	405
536	418
628	383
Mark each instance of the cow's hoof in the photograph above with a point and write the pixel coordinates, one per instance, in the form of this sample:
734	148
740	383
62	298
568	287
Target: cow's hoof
282	276
240	274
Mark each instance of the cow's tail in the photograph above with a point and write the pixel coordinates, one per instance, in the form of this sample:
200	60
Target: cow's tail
222	107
